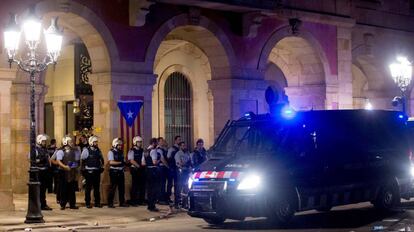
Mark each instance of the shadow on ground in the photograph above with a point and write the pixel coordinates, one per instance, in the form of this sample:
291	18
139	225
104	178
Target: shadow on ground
350	218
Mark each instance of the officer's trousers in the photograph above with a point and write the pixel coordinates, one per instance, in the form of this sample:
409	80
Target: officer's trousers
138	185
182	186
117	180
93	180
163	184
44	183
67	191
153	186
171	182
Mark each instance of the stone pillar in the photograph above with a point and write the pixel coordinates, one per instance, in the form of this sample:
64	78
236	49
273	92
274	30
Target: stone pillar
59	120
107	89
234	97
20	121
344	46
6	192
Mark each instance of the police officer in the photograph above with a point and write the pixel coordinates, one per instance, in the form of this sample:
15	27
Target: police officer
183	162
92	167
116	173
137	172
83	142
51	149
68	159
163	150
43	164
199	154
151	160
172	170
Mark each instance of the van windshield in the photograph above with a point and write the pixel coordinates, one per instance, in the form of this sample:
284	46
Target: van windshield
250	139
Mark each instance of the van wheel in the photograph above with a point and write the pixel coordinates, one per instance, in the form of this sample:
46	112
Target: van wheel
282	212
215	221
388	197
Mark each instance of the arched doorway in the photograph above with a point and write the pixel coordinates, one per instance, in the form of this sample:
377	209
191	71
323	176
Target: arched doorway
79	23
200	55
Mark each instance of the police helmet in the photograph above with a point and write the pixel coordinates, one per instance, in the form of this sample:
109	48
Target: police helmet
66	139
116	142
92	139
136	139
40	138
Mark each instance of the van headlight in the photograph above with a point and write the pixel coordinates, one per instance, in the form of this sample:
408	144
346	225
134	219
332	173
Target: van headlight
252	181
190	182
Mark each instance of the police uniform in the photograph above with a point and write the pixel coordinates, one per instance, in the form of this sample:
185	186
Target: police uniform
92	162
152	176
137	175
172	172
42	163
183	162
164	170
116	176
69	178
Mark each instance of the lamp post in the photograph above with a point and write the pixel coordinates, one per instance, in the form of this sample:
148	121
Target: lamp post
401	72
32	64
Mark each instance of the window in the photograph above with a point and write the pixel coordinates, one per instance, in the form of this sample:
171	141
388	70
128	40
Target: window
178	108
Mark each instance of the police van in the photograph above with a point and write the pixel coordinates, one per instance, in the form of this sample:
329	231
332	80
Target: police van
276	165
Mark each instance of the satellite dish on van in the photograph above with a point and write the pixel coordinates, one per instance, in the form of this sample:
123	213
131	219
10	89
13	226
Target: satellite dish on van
272	96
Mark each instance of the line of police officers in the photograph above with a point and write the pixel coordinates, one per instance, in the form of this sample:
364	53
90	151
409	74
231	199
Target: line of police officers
154	171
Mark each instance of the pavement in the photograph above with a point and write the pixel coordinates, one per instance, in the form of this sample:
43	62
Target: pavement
351	218
96	219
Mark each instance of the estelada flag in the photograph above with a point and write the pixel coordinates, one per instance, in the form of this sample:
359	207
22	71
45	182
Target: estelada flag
130	110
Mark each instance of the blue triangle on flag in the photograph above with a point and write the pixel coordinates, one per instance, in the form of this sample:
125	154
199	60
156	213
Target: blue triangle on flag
130	110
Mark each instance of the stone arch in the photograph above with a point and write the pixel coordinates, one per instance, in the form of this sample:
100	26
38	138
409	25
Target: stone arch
217	46
307	36
190	60
82	21
303	70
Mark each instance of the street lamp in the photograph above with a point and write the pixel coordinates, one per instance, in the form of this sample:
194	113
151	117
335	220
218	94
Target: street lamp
401	72
32	65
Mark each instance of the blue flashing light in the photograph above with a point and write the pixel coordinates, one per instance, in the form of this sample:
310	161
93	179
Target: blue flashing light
401	116
288	112
232	180
304	125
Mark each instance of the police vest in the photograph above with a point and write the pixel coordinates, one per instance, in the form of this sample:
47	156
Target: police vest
171	160
69	157
42	156
148	158
94	158
137	154
119	157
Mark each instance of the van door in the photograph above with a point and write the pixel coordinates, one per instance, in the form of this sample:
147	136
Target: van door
343	167
301	156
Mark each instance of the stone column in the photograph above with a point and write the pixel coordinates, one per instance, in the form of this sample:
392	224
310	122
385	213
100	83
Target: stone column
59	120
344	46
234	97
107	89
6	192
20	121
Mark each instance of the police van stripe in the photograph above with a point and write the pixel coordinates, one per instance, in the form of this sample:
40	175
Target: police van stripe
217	175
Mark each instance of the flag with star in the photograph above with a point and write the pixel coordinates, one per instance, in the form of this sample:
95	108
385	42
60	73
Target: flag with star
130	118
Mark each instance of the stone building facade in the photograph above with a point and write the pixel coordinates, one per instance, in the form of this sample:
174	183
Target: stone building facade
324	54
